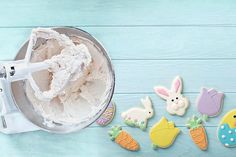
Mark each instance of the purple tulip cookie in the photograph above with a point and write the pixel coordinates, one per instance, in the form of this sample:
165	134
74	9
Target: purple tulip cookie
210	102
107	116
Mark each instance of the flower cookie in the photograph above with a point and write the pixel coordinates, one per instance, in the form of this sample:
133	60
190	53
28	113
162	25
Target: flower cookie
137	117
176	102
227	129
107	116
197	131
124	139
163	133
210	102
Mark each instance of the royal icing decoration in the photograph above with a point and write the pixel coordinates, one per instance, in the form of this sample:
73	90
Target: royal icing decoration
197	131
107	116
210	102
227	129
176	102
124	139
163	133
137	117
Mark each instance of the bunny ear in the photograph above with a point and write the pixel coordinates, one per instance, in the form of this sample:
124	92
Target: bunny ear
162	92
177	85
147	103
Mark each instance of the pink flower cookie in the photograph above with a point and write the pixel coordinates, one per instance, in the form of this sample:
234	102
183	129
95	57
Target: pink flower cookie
176	102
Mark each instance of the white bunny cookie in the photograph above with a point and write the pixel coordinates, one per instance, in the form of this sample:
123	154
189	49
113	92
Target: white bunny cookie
137	117
176	102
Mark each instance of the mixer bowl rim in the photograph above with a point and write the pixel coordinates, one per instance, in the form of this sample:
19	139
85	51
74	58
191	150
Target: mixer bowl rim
102	109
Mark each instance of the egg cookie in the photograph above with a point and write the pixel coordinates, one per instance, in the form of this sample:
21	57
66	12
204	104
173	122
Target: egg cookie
197	131
108	115
227	129
210	102
124	139
163	133
138	117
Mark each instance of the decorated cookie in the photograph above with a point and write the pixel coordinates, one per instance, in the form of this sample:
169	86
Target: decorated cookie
108	115
137	117
227	129
210	102
176	102
163	133
197	131
124	139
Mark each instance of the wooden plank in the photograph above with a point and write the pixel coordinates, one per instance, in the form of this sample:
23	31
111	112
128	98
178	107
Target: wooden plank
127	101
95	12
95	142
141	76
155	43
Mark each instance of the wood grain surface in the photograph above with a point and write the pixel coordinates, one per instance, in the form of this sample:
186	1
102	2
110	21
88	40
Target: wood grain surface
150	42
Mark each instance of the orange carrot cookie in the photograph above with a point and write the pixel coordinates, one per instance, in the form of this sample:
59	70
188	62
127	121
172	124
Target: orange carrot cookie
124	139
197	131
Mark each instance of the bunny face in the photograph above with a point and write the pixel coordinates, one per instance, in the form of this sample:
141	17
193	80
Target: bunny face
149	113
176	102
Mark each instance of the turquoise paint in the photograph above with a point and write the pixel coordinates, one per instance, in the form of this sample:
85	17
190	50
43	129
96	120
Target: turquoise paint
227	135
149	42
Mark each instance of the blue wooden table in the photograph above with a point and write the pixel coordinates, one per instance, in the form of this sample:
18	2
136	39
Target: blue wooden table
149	42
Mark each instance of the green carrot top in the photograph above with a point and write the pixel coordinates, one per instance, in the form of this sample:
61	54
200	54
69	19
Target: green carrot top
115	131
195	122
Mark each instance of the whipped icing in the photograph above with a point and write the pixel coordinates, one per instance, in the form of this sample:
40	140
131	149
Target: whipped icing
86	90
73	60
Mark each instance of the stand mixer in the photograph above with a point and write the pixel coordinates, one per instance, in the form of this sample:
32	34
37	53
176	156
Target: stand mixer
17	113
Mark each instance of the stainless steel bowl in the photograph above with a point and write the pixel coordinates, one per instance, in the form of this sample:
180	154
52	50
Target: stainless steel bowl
25	106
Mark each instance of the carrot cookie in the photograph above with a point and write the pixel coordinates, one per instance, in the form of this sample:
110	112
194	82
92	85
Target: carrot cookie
197	131
124	139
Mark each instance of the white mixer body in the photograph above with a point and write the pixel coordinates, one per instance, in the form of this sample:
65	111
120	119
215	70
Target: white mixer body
11	120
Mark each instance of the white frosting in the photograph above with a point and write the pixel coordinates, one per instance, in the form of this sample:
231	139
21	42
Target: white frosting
82	96
70	63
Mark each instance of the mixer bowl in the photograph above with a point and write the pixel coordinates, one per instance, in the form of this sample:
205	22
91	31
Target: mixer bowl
25	106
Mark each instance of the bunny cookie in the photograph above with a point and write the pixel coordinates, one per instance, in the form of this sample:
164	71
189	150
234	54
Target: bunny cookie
176	102
137	117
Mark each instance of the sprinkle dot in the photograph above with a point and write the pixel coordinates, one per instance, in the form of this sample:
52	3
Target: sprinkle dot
222	127
235	130
226	144
231	139
230	132
223	136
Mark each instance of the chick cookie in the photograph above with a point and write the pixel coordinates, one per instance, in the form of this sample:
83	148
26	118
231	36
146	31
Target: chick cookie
163	133
227	129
